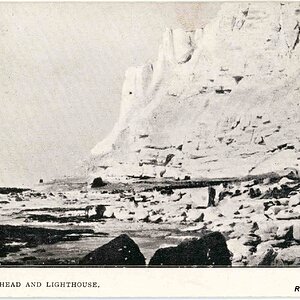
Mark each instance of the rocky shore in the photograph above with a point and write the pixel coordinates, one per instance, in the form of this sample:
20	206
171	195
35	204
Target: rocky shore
258	218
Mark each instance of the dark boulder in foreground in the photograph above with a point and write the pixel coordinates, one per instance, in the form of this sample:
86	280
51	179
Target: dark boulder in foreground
210	250
98	182
120	251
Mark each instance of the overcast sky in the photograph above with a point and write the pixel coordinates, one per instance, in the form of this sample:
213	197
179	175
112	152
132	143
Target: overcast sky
61	72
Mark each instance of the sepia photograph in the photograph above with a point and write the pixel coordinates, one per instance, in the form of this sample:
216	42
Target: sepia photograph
150	134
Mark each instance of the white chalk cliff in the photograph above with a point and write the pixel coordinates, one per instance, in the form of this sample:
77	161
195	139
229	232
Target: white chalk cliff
222	101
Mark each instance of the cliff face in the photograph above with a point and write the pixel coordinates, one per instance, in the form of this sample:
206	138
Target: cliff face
222	101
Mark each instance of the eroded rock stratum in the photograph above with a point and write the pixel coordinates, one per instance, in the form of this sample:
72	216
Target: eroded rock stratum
220	101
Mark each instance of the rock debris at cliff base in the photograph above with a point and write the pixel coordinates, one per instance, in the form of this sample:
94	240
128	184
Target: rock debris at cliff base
258	218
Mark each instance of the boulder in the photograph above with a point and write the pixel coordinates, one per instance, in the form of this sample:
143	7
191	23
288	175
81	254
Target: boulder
288	256
198	197
212	213
254	193
274	210
109	212
285	181
141	215
264	237
120	251
95	211
222	227
195	215
254	227
296	232
268	227
210	250
284	201
268	204
284	231
211	196
98	182
265	257
240	252
296	209
155	219
193	228
100	209
123	214
246	211
293	174
177	196
250	240
294	200
267	231
141	198
175	219
288	215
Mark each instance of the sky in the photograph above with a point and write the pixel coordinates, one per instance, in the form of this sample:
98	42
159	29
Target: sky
62	66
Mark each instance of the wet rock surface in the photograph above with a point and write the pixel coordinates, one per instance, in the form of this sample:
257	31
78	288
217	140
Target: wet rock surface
16	238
